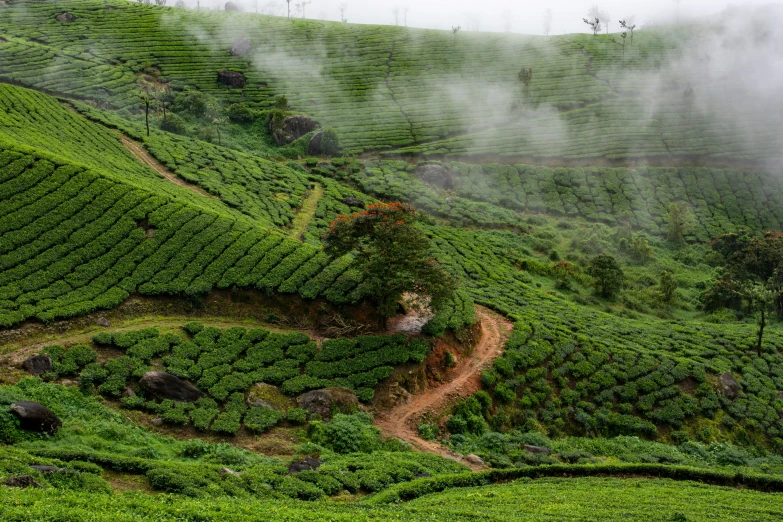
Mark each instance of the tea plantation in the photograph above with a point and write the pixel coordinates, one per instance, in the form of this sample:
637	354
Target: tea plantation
172	181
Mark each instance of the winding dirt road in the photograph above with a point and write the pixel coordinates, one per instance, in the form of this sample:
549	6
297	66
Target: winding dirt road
402	421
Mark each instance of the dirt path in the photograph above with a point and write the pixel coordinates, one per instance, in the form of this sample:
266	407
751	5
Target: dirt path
402	421
306	211
144	157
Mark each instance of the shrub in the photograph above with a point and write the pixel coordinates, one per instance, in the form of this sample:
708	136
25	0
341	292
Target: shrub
241	113
260	419
173	123
346	433
330	142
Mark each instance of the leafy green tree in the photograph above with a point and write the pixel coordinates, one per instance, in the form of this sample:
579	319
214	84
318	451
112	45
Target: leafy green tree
680	223
608	274
667	287
394	255
753	271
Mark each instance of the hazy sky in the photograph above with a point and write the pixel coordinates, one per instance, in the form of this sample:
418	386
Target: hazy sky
501	15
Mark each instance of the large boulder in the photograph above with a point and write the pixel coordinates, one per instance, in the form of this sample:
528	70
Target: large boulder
353	202
306	464
102	321
240	47
536	450
267	396
36	417
729	386
163	385
65	17
435	175
324	402
23	481
293	128
232	78
38	364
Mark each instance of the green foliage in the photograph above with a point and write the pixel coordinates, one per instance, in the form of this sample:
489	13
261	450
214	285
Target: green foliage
330	142
346	433
608	275
174	123
260	419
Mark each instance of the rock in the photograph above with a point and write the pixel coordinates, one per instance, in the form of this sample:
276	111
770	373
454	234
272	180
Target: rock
306	464
536	450
226	471
23	481
38	364
474	459
157	421
102	321
435	175
128	393
240	46
353	202
65	17
314	147
150	233
163	385
68	382
36	417
294	127
48	470
232	78
231	6
323	402
422	474
729	386
268	396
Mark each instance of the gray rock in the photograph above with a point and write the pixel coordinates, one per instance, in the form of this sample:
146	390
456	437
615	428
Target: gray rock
65	17
226	471
162	385
353	202
231	6
36	417
536	450
157	421
323	402
102	321
729	386
38	364
23	481
294	127
306	464
240	46
435	175
474	459
314	147
48	470
128	393
231	78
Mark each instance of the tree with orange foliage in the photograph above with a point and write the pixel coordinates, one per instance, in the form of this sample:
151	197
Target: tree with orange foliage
394	255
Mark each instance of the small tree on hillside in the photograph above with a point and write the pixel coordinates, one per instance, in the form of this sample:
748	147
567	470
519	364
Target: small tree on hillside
144	96
667	288
608	274
455	29
343	8
393	254
547	24
526	75
595	25
629	25
288	5
680	221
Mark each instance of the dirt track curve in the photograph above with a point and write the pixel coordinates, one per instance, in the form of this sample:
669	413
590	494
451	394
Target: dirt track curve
142	155
402	421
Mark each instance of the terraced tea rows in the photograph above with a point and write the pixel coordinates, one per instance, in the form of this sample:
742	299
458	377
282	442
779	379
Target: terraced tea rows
74	241
384	87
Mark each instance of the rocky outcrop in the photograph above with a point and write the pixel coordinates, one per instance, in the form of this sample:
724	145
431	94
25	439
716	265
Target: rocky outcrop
231	78
65	17
36	417
435	175
162	385
474	459
306	464
324	402
353	202
38	364
102	321
536	450
267	396
293	128
729	386
240	47
23	481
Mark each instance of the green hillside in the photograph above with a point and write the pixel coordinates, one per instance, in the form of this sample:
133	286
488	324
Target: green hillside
597	355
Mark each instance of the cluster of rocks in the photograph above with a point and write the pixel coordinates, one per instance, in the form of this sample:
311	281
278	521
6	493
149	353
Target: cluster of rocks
231	78
293	128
